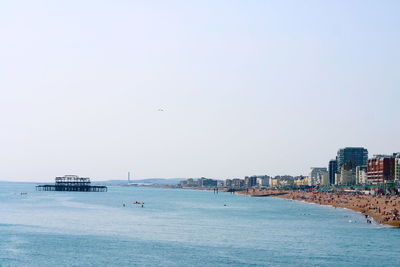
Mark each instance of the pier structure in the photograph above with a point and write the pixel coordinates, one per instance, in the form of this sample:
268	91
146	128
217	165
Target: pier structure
72	183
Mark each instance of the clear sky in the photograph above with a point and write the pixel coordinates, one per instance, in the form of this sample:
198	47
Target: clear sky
247	87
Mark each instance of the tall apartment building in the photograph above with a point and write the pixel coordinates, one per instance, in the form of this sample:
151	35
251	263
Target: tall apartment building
358	156
381	168
332	170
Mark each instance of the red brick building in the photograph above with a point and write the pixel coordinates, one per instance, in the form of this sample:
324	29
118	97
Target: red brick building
380	169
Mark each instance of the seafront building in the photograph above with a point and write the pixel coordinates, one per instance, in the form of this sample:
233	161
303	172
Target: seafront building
237	183
188	183
250	181
347	174
302	181
201	182
381	169
397	168
289	182
332	169
283	181
350	157
345	170
325	179
204	182
358	156
338	176
274	182
318	175
228	183
262	180
361	174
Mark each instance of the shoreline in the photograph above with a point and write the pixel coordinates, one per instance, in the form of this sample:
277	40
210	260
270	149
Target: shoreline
372	219
382	209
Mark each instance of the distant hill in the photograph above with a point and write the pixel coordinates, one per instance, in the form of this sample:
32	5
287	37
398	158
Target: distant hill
155	181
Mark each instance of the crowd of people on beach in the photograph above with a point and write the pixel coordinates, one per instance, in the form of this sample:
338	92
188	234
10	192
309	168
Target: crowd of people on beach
383	208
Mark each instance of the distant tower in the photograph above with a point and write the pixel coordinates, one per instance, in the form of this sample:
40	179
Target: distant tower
129	177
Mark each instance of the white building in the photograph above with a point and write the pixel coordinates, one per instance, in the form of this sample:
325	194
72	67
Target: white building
361	174
397	168
262	181
338	177
325	179
347	176
317	174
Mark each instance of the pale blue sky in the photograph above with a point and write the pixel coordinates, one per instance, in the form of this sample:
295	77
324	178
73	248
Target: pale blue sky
248	87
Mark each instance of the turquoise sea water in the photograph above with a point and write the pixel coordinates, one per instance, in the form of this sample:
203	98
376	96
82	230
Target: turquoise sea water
183	228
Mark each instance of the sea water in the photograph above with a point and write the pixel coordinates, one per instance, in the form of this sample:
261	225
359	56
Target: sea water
183	228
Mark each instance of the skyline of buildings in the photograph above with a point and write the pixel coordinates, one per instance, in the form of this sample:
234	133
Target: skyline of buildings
350	167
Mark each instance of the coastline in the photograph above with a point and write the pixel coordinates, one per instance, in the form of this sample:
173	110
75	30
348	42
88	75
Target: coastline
383	209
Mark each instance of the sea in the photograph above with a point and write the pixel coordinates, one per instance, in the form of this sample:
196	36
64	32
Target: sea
178	227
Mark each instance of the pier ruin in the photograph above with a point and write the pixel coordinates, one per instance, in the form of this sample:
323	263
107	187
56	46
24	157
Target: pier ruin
72	183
